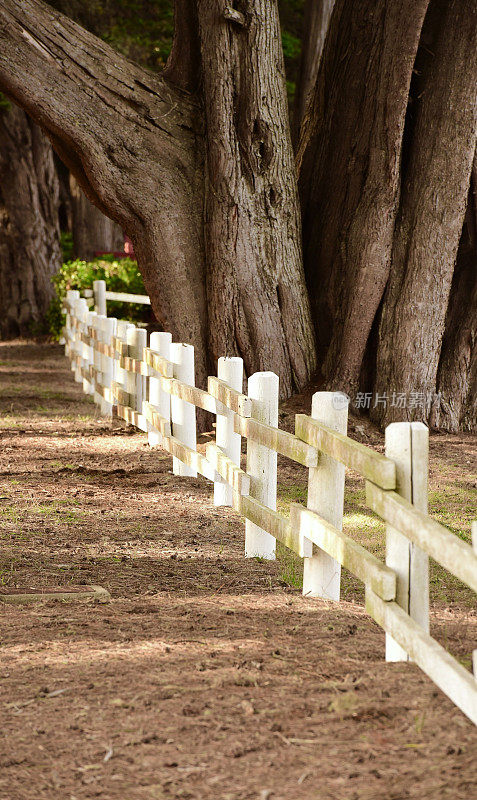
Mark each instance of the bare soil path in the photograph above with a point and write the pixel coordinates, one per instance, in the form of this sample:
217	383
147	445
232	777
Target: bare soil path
208	675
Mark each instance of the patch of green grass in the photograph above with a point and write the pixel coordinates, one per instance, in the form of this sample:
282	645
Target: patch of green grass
9	512
47	394
62	465
14	519
10	389
7	422
290	494
454	506
291	566
6	574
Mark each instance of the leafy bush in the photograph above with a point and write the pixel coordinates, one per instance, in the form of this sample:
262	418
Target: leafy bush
121	275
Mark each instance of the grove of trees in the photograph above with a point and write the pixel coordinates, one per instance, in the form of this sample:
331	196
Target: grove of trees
344	253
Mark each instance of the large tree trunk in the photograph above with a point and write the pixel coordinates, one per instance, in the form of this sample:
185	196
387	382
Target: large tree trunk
455	404
429	226
30	252
315	26
143	151
93	232
350	154
257	301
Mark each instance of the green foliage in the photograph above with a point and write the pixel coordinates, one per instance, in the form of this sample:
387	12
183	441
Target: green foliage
291	21
121	275
291	89
140	29
143	31
291	45
66	241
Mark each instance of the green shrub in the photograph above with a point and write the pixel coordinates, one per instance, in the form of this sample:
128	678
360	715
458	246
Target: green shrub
121	275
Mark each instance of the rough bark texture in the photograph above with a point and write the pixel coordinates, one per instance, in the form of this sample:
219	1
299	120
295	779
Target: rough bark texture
431	215
133	142
30	250
456	403
257	301
92	231
349	159
315	26
136	144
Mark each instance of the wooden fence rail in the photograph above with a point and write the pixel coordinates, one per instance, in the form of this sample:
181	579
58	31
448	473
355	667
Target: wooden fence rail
153	388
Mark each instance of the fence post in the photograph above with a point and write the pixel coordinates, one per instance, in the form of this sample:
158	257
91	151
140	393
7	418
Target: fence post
160	343
135	383
419	574
99	291
262	462
229	370
108	327
121	374
71	296
80	308
474	547
97	359
321	573
407	444
183	413
88	386
84	349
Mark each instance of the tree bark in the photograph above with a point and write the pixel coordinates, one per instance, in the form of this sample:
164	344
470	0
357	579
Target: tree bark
92	231
30	252
431	215
136	142
455	406
349	159
315	26
133	142
257	301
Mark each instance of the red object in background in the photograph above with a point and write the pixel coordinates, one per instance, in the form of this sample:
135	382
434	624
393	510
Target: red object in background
127	253
128	246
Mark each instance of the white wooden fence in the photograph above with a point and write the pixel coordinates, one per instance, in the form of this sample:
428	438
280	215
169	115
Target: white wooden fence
152	387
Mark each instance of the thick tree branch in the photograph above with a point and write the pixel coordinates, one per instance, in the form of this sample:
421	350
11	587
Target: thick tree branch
132	140
81	91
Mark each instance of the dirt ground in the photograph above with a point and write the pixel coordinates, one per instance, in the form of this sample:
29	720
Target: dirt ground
207	675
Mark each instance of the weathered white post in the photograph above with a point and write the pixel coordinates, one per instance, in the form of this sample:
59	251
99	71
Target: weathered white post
108	327
88	386
85	348
160	343
80	310
99	291
262	462
230	371
121	333
474	546
71	296
321	573
129	377
135	383
97	358
183	413
407	444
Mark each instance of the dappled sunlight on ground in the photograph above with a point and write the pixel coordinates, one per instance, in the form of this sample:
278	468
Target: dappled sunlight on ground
207	676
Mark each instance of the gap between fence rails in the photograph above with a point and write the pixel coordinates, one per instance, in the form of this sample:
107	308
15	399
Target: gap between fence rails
154	389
